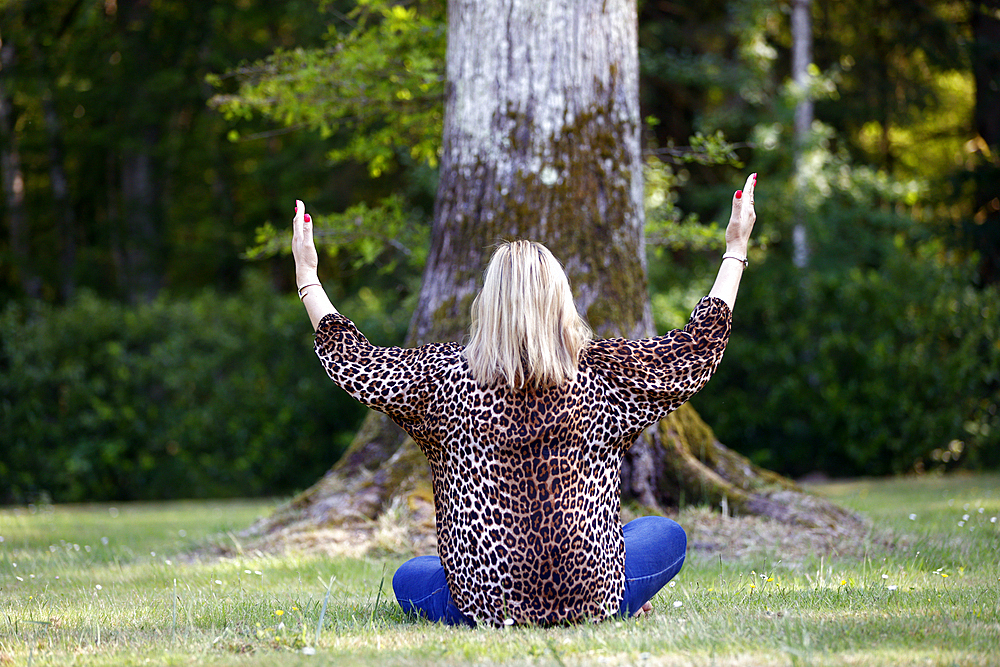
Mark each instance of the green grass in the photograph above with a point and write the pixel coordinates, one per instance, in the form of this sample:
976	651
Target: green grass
100	585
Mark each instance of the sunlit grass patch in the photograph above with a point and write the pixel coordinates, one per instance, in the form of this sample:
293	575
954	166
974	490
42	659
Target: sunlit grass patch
102	585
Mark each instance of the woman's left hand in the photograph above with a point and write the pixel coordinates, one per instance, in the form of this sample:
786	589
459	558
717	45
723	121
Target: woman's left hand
304	247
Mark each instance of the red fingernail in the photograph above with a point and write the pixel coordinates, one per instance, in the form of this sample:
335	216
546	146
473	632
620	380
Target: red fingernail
307	218
739	193
296	208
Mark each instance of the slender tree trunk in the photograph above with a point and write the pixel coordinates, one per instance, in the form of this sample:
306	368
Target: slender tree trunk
62	207
986	69
13	178
801	60
141	231
142	243
541	141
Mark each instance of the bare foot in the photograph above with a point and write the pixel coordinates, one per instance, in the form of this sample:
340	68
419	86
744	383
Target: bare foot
643	610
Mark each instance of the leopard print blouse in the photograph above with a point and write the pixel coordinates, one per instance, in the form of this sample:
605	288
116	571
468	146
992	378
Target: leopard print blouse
526	483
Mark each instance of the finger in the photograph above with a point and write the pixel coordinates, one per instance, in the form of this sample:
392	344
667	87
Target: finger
300	211
750	187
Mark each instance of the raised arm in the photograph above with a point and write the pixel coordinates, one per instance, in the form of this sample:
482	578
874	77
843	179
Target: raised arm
727	283
311	292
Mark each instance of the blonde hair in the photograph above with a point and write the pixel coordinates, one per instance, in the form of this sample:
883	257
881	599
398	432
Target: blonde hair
526	331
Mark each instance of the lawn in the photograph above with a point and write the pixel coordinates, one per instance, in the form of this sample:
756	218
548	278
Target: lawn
114	585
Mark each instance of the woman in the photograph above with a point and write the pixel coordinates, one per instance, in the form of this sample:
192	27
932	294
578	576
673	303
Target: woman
525	430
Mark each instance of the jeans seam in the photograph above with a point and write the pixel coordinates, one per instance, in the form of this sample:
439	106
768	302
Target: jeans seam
656	574
426	597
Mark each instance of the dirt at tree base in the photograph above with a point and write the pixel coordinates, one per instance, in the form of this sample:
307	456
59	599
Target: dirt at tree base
406	528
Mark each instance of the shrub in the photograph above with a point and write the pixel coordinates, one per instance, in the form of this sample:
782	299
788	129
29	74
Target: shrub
879	357
204	397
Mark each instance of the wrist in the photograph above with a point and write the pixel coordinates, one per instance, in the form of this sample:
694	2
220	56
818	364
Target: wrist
305	277
742	259
736	249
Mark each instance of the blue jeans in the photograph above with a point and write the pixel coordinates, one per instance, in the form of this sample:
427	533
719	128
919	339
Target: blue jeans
654	553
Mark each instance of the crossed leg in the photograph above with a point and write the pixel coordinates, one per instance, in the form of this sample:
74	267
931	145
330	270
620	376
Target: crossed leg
655	548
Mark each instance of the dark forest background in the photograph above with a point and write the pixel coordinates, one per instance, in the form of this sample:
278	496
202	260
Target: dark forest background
151	343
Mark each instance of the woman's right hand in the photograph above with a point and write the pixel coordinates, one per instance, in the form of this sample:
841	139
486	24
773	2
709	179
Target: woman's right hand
304	247
727	283
742	219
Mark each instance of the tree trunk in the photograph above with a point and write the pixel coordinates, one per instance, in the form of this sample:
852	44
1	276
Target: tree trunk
142	242
985	230
141	248
801	59
62	207
541	141
13	178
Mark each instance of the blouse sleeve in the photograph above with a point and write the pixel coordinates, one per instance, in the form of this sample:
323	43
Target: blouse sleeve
647	379
397	381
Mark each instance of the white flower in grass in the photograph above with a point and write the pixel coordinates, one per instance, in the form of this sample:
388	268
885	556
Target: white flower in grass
308	650
508	622
891	587
965	517
672	584
993	519
99	587
885	576
678	604
218	582
913	517
104	541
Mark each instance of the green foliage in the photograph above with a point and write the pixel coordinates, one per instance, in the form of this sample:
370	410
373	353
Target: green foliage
667	227
382	235
381	85
376	94
876	357
155	193
208	397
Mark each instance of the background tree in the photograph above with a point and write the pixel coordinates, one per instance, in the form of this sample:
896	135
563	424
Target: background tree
542	141
348	114
983	229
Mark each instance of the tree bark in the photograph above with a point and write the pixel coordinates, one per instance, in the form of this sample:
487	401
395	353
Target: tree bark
141	248
801	59
142	242
541	141
62	207
986	69
13	178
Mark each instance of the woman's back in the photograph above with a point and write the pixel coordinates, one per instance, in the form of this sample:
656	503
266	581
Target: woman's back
526	482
